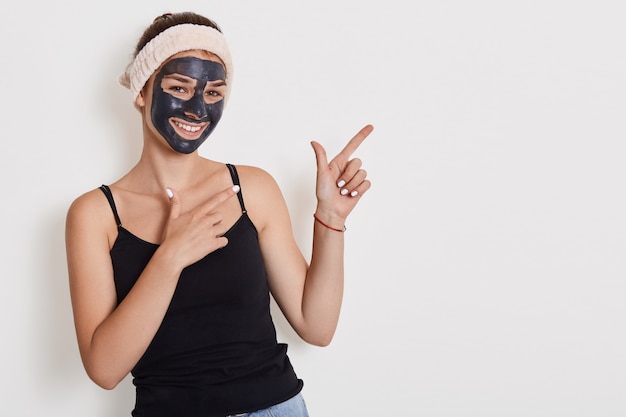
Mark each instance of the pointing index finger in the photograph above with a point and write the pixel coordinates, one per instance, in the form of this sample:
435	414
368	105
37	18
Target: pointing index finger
219	198
355	142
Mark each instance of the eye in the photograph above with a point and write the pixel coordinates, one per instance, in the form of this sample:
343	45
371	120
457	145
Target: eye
178	89
213	93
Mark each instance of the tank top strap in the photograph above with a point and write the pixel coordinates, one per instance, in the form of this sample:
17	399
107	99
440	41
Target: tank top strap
235	177
107	192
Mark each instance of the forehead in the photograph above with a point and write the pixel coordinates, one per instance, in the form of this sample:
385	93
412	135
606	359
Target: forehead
198	53
201	65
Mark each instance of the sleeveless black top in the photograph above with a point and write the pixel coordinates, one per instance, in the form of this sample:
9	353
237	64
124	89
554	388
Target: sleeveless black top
215	352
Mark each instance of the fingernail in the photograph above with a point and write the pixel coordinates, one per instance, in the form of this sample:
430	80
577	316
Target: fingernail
344	191
354	193
341	183
236	188
169	192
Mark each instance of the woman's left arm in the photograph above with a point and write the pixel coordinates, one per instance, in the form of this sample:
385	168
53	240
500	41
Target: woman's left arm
310	296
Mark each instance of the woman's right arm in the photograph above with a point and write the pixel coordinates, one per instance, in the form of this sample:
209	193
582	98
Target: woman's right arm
112	337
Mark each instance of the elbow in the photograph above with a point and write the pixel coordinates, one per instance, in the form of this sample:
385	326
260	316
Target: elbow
318	334
319	340
104	369
104	382
103	378
106	386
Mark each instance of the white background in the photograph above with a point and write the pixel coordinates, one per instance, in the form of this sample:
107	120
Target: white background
485	268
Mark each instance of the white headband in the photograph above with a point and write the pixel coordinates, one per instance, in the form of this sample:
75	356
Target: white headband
175	39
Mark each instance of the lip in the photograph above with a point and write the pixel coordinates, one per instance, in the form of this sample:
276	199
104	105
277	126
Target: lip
186	130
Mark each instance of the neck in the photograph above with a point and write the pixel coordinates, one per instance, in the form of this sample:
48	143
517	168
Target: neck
160	167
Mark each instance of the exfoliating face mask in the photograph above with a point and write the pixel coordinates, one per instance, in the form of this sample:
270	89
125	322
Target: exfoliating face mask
183	109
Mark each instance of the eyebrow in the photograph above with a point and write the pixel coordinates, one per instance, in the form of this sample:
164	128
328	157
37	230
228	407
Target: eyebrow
181	78
189	80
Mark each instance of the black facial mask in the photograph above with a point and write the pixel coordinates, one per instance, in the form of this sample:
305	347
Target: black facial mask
193	112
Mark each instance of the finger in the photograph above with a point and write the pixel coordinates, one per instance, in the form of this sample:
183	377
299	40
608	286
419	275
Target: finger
219	198
355	142
214	225
354	183
351	169
320	155
214	220
175	205
361	189
221	242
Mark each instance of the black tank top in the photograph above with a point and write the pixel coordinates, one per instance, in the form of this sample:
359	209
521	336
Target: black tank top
215	352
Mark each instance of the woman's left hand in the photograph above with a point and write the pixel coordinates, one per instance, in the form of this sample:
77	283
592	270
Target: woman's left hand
340	182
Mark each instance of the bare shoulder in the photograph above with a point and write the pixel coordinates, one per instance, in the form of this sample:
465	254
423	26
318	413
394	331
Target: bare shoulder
254	175
263	197
90	212
91	203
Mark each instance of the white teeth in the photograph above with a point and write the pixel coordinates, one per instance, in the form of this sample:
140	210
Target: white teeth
188	128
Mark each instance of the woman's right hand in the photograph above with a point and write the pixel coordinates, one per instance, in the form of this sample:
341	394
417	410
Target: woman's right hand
192	235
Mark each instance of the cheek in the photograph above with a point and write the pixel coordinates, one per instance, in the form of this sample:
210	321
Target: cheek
166	103
215	110
164	107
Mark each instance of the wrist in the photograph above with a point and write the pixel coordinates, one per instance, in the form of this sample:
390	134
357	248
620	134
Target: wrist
168	259
334	223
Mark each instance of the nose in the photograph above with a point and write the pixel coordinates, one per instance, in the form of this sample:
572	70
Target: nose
196	107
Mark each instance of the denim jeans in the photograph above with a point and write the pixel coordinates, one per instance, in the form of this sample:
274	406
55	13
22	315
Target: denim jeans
294	407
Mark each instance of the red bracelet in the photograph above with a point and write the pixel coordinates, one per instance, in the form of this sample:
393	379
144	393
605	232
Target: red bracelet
327	226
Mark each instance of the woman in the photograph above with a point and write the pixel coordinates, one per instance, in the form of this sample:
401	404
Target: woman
171	268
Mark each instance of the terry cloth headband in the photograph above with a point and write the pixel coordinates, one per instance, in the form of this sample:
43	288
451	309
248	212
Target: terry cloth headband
184	37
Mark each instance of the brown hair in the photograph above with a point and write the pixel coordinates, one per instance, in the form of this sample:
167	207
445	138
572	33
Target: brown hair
167	20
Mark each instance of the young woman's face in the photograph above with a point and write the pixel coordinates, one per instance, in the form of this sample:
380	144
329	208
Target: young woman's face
188	100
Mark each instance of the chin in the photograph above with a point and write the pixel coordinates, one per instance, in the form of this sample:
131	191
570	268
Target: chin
186	146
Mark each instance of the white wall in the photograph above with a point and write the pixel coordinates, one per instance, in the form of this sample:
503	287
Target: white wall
485	269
